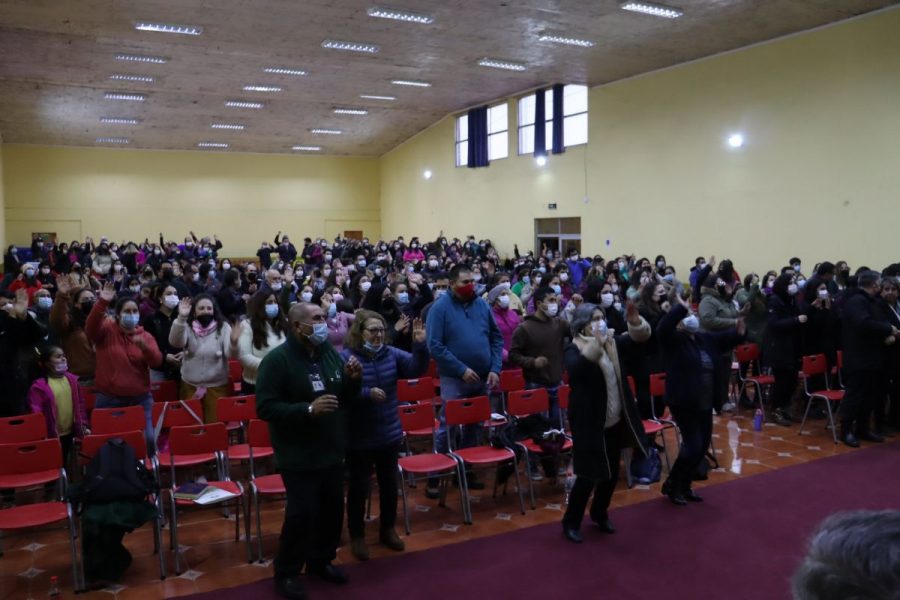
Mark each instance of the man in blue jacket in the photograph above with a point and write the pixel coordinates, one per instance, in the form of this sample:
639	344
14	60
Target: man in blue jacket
467	346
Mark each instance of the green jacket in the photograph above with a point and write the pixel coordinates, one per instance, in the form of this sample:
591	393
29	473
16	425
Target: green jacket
284	392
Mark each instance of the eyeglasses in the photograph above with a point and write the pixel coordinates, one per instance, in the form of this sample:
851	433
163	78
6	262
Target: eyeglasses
376	330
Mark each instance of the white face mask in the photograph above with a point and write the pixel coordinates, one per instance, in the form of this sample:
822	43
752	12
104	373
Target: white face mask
792	289
691	323
552	309
306	296
563	277
600	327
573	258
276	287
504	301
606	300
823	294
433	264
365	285
170	301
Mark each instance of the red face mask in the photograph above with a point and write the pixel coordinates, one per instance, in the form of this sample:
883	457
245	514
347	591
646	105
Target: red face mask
466	292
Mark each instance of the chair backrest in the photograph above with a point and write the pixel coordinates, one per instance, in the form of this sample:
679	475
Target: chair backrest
236	408
118	420
19	458
840	359
657	384
432	369
746	352
176	414
91	444
164	391
258	435
90	398
565	377
467	411
198	439
562	396
416	416
235	371
23	428
813	364
522	403
632	386
415	390
511	380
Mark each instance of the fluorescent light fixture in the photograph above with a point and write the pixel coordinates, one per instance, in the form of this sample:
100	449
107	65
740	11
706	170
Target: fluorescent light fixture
350	111
350	46
501	64
411	83
427	174
119	121
541	161
124	96
212	145
284	71
157	60
143	78
262	88
306	148
320	131
656	10
736	140
168	28
375	97
113	140
566	40
400	15
232	126
243	104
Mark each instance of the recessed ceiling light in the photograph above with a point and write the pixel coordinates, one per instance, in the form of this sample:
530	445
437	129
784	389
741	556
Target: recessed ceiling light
501	64
350	111
212	145
168	28
375	97
113	140
411	83
400	15
144	78
243	104
566	40
736	140
233	126
657	10
119	121
124	96
284	71
306	148
319	131
159	60
350	46
262	88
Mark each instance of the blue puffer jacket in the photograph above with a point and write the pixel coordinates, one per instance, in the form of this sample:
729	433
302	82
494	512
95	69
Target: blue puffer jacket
375	424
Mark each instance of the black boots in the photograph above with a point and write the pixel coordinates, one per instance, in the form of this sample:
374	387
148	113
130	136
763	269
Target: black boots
847	434
676	496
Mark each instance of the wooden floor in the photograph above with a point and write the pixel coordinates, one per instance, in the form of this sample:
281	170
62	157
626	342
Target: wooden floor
214	560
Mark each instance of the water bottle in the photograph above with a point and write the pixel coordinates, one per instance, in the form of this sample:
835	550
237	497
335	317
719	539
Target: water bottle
54	587
758	420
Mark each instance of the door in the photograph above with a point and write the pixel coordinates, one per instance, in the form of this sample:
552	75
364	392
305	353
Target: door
355	234
559	235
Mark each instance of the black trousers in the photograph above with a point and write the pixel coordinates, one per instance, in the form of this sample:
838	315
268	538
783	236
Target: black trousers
603	489
359	465
864	390
696	434
892	385
785	385
313	517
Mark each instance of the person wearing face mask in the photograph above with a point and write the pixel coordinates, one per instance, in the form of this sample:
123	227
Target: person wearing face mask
68	316
232	301
432	267
206	340
822	331
691	358
718	313
12	264
890	305
439	287
602	412
303	390
46	277
768	282
19	332
125	355
159	325
102	261
698	276
264	330
338	320
264	254
578	267
359	289
564	281
506	318
56	395
287	252
28	281
781	345
796	265
40	312
375	431
414	253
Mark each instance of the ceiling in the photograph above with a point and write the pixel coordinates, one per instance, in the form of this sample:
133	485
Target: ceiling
57	56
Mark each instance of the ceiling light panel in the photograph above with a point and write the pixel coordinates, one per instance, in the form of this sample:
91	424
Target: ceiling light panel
411	83
506	65
243	104
141	78
125	96
400	15
168	28
119	121
262	88
656	10
231	126
565	40
113	140
350	46
376	97
350	111
285	71
212	145
320	131
157	60
306	148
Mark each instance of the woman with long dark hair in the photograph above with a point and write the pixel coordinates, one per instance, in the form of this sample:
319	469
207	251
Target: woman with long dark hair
263	331
782	344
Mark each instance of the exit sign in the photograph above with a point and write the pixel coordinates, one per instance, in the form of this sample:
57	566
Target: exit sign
552	206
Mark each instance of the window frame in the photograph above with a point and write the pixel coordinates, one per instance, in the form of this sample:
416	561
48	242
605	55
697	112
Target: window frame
462	158
525	130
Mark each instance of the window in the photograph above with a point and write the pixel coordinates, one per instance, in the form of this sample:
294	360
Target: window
575	118
498	130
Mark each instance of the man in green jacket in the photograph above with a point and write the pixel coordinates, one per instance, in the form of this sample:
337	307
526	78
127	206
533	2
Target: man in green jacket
302	389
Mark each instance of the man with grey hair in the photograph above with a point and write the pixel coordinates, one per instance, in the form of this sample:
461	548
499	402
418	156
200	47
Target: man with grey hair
852	555
866	334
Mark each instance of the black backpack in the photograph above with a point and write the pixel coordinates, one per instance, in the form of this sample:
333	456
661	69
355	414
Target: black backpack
114	475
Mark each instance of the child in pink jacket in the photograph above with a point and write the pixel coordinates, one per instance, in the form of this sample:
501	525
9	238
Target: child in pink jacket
56	395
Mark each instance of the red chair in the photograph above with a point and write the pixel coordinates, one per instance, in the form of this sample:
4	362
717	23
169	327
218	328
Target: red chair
164	391
240	410
118	420
259	444
33	463
511	380
477	411
657	390
23	428
749	353
202	440
523	403
655	427
415	390
817	365
415	467
178	415
839	368
236	374
91	444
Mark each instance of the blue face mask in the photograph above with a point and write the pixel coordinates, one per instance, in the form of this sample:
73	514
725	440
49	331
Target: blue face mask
403	298
319	334
556	289
130	320
372	348
45	302
332	310
271	310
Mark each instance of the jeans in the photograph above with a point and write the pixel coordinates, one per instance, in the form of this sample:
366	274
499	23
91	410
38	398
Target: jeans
453	388
696	434
359	467
145	400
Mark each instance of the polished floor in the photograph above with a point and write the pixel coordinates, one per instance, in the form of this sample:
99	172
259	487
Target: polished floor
214	560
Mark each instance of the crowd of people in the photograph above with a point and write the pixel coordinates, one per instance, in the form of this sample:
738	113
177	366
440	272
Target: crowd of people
323	335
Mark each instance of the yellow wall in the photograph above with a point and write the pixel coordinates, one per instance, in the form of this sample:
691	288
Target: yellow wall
2	206
818	176
132	194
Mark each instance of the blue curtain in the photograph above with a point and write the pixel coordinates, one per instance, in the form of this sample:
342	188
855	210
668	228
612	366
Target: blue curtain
540	127
478	137
559	142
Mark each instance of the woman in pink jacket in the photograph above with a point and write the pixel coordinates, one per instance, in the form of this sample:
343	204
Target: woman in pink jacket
507	319
56	395
414	253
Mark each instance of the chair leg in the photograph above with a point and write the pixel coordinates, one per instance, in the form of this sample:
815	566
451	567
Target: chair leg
805	413
173	534
464	493
831	420
78	583
403	499
259	533
519	483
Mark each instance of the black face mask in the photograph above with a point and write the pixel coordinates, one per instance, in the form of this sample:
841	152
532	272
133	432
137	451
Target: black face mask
166	275
205	320
251	276
86	306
